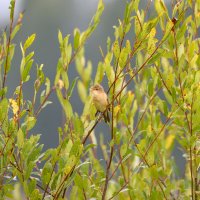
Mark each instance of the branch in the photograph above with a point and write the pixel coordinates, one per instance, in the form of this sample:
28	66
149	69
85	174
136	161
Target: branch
45	99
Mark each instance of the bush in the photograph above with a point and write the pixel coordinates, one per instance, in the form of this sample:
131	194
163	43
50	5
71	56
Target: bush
154	98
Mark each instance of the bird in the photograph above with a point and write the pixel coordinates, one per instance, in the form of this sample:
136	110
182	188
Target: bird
100	100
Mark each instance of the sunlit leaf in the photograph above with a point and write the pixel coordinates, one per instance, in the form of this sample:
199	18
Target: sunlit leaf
20	138
29	41
46	173
169	141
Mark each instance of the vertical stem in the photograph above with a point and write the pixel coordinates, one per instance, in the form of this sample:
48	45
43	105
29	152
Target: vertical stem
19	104
186	116
7	53
112	126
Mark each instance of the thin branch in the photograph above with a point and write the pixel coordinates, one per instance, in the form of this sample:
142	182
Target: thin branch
44	101
60	187
187	119
90	131
134	131
118	191
112	125
19	104
39	186
46	188
156	137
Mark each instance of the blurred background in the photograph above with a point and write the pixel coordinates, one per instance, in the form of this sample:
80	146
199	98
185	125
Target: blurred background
45	18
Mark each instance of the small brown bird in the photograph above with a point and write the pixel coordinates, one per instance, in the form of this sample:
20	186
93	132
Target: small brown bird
100	100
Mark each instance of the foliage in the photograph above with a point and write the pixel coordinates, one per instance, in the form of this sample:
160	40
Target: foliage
154	94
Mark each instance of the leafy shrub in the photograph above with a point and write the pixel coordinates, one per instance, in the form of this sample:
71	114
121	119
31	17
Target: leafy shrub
154	95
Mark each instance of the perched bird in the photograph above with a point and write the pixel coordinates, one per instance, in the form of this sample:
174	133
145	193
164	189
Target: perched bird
100	100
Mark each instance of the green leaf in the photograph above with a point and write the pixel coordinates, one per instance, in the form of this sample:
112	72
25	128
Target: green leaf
82	91
28	171
78	180
40	74
173	93
117	138
45	104
65	41
87	72
123	149
168	29
10	57
99	73
72	87
20	138
116	49
78	126
35	154
165	107
65	79
68	52
15	31
46	173
29	56
150	87
76	149
3	109
29	41
65	104
76	38
70	164
99	11
31	186
156	56
128	11
42	96
12	8
160	7
35	195
119	30
169	80
3	91
137	27
25	72
136	5
108	44
60	37
123	57
30	122
88	147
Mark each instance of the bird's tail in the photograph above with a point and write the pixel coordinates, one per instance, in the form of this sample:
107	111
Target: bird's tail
106	117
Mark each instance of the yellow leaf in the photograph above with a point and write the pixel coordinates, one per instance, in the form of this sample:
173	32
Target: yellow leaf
169	141
170	80
14	105
116	49
116	110
152	32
